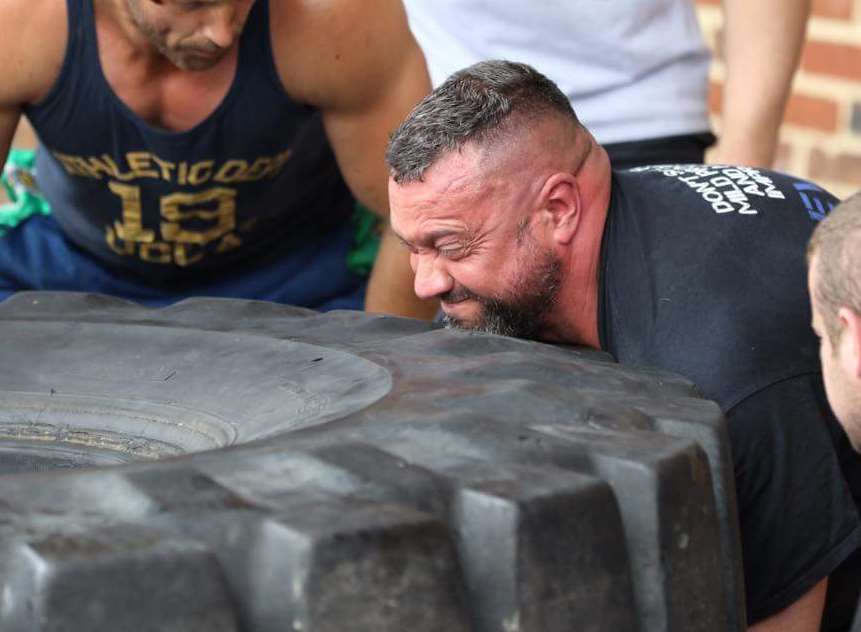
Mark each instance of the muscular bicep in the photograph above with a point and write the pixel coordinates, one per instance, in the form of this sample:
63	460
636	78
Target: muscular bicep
360	134
359	64
33	35
14	70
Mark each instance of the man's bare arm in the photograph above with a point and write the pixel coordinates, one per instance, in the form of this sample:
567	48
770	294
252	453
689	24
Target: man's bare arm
805	615
28	72
366	75
13	63
8	123
762	45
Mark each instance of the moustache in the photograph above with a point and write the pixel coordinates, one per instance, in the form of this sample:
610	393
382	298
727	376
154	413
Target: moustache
458	294
203	50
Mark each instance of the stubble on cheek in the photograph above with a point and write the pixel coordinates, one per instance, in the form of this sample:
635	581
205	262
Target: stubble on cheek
522	313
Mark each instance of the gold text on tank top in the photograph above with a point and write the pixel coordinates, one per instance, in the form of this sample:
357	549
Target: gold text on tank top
192	225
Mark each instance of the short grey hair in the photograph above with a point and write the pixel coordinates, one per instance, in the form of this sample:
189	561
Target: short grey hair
473	105
836	244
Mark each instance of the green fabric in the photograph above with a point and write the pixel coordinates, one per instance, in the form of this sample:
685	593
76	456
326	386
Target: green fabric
366	241
19	182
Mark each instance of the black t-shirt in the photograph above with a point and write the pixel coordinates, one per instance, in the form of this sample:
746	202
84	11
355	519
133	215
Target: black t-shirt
703	274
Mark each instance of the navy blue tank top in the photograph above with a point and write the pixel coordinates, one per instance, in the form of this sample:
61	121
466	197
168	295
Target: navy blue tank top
255	177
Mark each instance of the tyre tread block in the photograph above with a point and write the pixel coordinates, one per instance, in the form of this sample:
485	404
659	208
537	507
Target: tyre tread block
183	489
265	478
541	551
666	498
105	492
663	486
712	437
121	578
530	557
385	477
371	567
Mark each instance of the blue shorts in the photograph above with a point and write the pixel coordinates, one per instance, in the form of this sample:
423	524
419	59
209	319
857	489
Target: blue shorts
35	255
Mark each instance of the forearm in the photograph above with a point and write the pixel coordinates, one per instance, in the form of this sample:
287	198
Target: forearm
762	44
805	615
390	288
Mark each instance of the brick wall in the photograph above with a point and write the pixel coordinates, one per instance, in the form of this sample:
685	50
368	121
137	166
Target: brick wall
820	138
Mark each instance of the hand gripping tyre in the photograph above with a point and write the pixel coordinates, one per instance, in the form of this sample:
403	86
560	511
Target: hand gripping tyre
225	465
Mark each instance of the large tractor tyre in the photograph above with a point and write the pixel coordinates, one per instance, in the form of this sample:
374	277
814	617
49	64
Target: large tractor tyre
225	465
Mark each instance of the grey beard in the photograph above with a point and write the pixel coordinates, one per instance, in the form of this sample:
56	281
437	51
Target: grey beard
501	319
523	316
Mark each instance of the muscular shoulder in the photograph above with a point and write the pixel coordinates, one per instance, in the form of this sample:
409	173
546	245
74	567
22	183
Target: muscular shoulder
723	252
339	53
33	35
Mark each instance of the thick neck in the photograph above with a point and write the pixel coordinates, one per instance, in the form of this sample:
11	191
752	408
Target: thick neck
117	14
576	319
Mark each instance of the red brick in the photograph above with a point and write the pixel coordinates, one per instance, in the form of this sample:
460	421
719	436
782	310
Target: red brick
821	114
835	167
837	9
839	60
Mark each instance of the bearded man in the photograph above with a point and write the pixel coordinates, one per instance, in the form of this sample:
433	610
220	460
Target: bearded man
207	147
514	220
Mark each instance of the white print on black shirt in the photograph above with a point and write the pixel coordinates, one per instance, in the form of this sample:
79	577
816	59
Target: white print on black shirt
726	189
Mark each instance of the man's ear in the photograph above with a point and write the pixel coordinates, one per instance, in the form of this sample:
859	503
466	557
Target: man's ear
850	320
560	198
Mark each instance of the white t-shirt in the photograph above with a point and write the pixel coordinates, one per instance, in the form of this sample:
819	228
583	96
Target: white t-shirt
633	69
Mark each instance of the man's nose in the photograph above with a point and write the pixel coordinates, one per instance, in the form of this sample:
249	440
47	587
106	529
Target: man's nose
431	278
221	27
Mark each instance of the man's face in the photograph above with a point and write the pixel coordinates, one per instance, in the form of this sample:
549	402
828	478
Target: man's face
473	246
842	388
191	34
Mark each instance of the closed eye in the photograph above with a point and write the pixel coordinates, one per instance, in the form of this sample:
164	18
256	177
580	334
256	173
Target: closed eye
407	245
450	252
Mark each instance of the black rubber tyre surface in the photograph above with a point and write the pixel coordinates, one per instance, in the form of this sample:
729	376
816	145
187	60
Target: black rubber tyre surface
351	472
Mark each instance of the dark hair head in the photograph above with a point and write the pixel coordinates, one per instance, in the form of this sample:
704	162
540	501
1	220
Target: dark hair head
473	105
